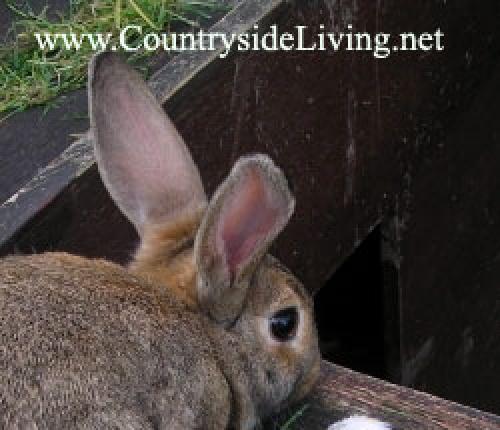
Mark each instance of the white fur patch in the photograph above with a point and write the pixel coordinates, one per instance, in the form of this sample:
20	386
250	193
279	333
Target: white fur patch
358	422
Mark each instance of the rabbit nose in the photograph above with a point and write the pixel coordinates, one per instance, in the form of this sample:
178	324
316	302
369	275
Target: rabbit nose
307	381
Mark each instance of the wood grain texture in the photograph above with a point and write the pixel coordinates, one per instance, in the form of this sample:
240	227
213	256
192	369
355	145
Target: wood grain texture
342	392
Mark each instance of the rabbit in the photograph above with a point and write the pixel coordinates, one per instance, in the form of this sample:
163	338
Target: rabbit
359	422
202	330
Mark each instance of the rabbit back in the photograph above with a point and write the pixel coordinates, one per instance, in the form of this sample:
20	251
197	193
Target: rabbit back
85	344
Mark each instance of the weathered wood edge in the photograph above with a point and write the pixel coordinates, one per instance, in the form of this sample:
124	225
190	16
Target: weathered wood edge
44	187
342	392
174	75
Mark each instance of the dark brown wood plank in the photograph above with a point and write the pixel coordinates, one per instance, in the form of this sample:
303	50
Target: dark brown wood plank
342	392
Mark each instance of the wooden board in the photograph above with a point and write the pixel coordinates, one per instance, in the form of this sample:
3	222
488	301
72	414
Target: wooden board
342	393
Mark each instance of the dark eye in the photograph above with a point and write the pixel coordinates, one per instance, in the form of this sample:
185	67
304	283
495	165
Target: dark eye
283	324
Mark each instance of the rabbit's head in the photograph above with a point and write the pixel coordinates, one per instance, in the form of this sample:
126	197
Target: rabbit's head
210	254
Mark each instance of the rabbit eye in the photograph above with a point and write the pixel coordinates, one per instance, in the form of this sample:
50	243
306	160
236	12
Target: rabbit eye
283	324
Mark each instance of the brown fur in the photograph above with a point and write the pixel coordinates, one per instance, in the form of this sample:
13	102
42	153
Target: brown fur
182	338
90	344
84	343
165	256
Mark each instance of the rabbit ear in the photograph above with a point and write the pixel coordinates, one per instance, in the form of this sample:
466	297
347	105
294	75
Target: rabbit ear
243	218
141	157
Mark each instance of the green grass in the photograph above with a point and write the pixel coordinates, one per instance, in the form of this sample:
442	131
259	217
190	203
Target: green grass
289	424
30	76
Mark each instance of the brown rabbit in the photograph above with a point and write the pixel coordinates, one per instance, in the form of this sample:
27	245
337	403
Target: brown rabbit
204	330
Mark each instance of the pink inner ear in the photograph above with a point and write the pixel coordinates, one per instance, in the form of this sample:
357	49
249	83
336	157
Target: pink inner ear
247	220
142	158
159	166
